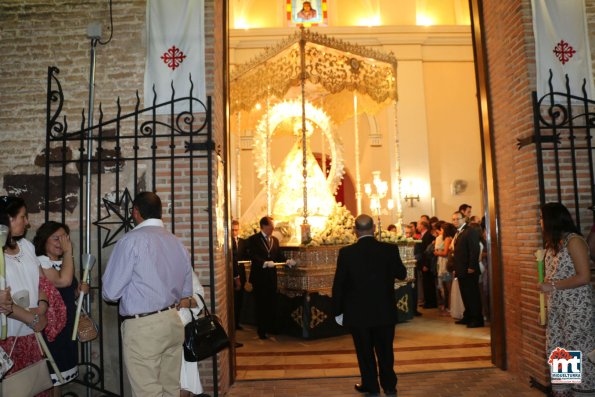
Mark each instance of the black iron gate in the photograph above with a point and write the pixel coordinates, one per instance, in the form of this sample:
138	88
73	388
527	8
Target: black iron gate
563	127
135	151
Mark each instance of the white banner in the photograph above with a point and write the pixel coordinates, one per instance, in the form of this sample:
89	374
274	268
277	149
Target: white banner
562	45
175	51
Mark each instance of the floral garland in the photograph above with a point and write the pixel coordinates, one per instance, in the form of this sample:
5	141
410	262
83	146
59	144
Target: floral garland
394	238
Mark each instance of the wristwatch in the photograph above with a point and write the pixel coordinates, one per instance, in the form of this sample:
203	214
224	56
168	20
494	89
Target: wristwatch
34	322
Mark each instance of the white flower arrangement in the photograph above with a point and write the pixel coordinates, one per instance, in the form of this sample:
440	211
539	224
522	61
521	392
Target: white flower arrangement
338	229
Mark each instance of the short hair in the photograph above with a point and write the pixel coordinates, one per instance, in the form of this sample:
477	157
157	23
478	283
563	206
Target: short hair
9	208
391	227
148	205
427	217
434	219
44	232
364	223
463	207
235	222
425	224
265	221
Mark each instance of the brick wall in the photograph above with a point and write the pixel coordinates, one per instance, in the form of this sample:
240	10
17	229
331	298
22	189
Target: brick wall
511	59
512	76
39	33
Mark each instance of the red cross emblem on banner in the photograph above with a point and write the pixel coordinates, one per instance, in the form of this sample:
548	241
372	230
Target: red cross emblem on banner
173	57
564	51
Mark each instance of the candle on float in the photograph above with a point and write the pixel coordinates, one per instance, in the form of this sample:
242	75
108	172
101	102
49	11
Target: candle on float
3	319
539	255
88	262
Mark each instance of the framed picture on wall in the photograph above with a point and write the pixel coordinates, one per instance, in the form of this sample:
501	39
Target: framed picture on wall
306	12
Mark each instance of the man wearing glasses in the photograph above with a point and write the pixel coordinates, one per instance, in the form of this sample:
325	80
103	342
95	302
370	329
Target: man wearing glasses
466	256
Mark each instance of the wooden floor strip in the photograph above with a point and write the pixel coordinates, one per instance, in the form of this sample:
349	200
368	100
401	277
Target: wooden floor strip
352	351
269	367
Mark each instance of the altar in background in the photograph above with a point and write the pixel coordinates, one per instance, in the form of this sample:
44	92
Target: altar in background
304	292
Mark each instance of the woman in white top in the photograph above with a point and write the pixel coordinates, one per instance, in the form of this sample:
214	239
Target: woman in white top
25	300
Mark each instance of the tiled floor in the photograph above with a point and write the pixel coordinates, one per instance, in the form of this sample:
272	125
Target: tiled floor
490	382
427	343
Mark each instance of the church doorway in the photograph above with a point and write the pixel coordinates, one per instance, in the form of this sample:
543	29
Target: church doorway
427	148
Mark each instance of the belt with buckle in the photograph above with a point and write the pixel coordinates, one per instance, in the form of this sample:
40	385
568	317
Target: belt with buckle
148	314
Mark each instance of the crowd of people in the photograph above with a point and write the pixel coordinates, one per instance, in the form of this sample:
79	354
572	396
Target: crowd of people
149	273
451	266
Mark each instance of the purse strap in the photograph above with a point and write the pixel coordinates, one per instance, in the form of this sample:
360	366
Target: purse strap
206	312
15	343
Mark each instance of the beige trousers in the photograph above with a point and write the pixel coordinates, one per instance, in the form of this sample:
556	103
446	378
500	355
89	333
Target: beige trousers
152	347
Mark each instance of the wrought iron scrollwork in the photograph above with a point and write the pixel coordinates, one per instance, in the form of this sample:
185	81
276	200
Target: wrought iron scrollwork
55	95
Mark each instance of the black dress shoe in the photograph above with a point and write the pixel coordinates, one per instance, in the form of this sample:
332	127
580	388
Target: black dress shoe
475	324
238	344
239	328
417	314
390	393
360	388
263	336
462	322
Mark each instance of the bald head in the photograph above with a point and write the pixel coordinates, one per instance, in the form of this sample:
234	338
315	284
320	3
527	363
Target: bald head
364	225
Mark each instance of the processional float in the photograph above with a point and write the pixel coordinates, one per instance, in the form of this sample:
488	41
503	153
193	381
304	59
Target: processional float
307	82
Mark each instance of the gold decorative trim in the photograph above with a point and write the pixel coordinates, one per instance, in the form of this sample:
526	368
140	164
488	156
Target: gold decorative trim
333	68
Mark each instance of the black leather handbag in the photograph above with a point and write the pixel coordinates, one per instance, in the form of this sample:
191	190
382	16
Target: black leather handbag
204	336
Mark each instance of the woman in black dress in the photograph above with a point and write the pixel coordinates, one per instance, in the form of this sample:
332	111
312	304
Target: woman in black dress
54	250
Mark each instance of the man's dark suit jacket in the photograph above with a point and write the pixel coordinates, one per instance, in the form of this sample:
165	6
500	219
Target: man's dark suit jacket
419	250
256	250
466	251
238	253
363	289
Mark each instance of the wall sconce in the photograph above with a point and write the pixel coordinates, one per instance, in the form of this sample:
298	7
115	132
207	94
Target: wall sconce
411	192
411	199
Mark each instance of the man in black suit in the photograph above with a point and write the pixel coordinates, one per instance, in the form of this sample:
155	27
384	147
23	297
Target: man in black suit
363	292
466	256
263	250
424	264
239	271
